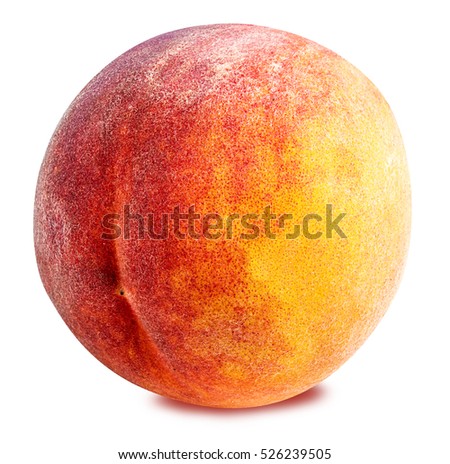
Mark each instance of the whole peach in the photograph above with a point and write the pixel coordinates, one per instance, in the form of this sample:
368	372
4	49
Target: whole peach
222	215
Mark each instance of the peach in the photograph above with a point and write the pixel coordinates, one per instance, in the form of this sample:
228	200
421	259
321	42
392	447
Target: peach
222	215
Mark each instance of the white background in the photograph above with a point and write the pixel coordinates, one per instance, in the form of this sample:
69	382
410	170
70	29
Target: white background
388	404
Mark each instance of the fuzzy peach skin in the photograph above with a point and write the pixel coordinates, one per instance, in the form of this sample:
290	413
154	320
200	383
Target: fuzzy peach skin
229	118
